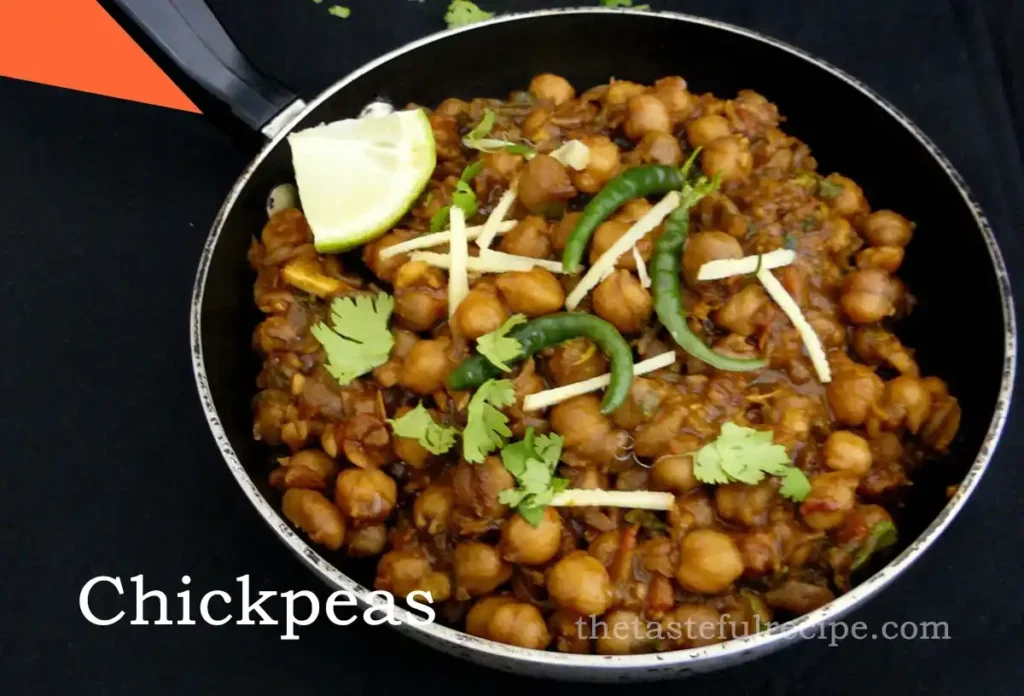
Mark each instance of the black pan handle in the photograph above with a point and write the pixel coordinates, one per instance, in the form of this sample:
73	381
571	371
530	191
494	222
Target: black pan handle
191	37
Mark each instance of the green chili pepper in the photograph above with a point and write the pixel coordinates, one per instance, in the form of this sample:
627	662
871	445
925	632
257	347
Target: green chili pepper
664	269
548	331
630	184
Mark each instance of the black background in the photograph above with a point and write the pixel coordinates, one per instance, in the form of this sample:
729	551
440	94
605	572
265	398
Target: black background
110	469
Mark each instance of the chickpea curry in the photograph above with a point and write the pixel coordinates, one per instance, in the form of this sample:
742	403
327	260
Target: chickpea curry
629	356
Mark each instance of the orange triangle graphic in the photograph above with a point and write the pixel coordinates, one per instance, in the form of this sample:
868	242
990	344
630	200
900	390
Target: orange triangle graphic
76	44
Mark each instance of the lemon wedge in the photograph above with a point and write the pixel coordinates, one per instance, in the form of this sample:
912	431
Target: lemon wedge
358	177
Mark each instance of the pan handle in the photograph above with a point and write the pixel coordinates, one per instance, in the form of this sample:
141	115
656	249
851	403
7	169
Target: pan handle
191	37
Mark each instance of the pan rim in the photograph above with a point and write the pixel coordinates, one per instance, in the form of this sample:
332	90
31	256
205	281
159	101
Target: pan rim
609	667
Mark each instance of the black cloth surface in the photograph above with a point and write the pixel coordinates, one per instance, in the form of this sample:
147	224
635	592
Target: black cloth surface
104	207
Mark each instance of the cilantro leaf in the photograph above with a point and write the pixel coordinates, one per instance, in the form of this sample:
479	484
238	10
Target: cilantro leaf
498	347
486	426
418	424
533	461
359	340
484	128
881	536
745	455
795	484
463	196
463	12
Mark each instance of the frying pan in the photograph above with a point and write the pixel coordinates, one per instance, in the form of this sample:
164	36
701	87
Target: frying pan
850	129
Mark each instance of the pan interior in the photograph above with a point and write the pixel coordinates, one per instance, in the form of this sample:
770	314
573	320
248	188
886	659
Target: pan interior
957	325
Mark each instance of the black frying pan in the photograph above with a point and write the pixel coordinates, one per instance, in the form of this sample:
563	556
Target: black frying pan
850	129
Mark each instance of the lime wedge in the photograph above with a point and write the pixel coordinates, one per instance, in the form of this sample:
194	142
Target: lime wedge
357	177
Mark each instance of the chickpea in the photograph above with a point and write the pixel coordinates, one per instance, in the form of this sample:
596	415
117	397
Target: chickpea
553	87
366	541
849	452
605	547
480	613
851	201
575	361
607	233
479	313
523	543
691	511
402	570
310	468
747	504
535	125
646	113
505	164
832	496
908	400
528	238
478	568
854	389
544	186
585	430
625	633
580	582
645	397
425	368
385	269
701	131
420	309
365	495
563	229
868	296
657	147
565	627
709	245
709	562
884	228
431	508
674	473
674	95
603	165
314	514
622	300
727	157
477	486
692	626
621	91
520	624
408	570
534	292
632	211
887	258
410	450
452	107
746	311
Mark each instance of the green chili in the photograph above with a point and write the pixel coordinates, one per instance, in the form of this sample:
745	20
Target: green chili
630	184
664	269
552	329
